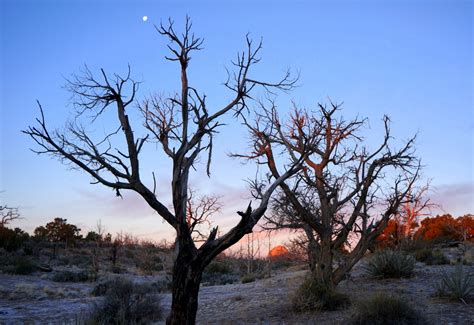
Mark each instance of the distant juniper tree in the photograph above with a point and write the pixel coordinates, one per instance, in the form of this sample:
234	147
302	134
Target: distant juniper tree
184	125
343	192
59	231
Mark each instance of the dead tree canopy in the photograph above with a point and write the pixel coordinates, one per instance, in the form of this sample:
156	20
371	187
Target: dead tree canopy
344	191
7	215
199	211
416	204
184	126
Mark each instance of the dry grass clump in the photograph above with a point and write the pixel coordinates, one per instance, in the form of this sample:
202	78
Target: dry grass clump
385	309
313	295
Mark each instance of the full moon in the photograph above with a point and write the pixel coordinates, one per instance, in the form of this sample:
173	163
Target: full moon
145	18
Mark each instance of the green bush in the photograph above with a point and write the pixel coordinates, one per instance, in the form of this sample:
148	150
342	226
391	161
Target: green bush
12	239
160	285
313	295
149	263
219	267
384	309
431	257
122	304
69	276
437	258
457	285
247	278
213	279
390	264
21	265
422	255
117	269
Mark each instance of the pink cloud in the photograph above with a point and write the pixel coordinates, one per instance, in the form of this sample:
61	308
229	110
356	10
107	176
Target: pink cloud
456	199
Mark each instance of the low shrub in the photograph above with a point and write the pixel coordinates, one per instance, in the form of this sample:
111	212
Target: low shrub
24	291
122	304
313	295
117	269
213	279
149	263
70	276
385	309
437	258
12	239
157	286
390	264
247	278
160	285
20	265
431	257
129	253
422	255
457	285
219	267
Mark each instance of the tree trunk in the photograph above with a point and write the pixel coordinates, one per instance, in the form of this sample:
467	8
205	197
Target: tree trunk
187	273
323	270
312	249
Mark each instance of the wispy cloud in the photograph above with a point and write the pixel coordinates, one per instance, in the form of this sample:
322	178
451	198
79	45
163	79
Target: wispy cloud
456	199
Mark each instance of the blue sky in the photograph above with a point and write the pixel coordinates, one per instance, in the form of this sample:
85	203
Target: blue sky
411	60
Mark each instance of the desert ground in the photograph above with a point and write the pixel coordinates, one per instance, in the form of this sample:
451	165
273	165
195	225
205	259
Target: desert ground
36	299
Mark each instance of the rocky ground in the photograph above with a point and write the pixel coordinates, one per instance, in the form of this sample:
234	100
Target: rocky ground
37	300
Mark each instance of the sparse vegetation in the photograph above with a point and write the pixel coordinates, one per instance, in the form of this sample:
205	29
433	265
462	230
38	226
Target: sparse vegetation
71	276
431	257
247	278
390	264
219	273
157	286
315	296
220	267
21	265
457	285
385	309
123	304
149	262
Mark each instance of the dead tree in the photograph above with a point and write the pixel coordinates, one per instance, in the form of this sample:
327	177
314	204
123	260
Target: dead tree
343	188
417	204
184	126
199	210
284	216
7	215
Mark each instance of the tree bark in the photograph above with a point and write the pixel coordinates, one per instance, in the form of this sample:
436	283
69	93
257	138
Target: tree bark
187	273
312	249
324	266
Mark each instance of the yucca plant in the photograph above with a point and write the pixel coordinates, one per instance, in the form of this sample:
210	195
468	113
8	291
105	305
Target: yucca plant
390	264
457	285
